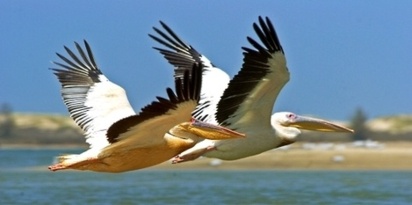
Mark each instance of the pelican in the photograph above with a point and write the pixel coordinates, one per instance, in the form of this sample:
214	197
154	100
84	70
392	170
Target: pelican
244	103
121	140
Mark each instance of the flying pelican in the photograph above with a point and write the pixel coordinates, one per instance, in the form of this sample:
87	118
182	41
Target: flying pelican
245	103
121	140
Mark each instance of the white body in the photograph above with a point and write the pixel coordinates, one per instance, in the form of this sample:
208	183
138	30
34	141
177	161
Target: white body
245	103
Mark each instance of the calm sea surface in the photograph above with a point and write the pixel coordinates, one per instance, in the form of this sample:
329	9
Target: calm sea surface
24	179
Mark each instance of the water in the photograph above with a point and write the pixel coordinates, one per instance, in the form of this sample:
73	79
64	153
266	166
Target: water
24	179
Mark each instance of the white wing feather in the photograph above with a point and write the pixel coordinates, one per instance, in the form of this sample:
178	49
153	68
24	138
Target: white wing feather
182	56
94	102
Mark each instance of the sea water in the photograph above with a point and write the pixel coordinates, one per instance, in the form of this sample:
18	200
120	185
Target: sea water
24	179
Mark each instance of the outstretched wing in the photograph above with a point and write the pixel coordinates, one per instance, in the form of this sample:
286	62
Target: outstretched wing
93	101
182	56
149	126
251	94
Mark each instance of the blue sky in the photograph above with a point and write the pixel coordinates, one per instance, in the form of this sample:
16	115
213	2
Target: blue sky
341	54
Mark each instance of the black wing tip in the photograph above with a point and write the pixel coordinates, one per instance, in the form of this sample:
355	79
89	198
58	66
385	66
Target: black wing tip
267	34
254	68
176	51
164	25
262	21
81	63
169	38
75	58
85	43
190	83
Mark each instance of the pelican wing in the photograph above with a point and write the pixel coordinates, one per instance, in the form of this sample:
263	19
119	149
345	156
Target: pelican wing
253	91
182	56
93	101
148	127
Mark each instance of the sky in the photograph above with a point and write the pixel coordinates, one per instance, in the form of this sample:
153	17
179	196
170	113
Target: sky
342	55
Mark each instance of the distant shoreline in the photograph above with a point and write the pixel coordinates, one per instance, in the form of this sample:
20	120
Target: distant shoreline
334	156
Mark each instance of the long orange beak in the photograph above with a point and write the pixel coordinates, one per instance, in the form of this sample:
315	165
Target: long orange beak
309	123
209	131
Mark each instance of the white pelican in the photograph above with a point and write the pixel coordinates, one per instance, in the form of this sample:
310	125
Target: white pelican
121	140
245	103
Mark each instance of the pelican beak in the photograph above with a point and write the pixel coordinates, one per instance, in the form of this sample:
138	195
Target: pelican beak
309	123
209	131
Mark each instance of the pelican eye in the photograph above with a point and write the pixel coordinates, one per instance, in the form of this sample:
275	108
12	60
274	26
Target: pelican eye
291	116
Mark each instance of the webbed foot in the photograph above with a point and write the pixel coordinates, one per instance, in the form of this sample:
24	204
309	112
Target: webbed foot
191	155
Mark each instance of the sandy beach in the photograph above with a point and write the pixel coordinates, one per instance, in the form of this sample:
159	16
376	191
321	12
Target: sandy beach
315	156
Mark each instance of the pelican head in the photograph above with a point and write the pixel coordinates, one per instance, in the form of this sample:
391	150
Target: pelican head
287	124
